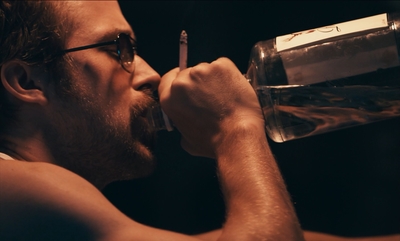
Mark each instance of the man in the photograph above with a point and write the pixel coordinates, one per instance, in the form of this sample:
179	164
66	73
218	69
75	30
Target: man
73	119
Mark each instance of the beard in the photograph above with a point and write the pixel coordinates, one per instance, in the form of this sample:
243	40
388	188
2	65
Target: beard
100	143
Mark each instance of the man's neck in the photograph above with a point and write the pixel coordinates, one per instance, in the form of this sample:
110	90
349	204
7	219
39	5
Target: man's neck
34	149
27	148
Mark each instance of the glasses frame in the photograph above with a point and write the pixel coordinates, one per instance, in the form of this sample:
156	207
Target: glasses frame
117	41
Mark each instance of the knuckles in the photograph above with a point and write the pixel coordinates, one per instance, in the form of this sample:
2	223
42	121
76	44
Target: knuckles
220	65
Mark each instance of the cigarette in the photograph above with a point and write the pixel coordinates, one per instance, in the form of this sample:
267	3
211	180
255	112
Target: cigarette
183	52
182	65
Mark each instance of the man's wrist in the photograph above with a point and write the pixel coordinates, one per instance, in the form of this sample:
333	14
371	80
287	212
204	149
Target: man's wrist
241	134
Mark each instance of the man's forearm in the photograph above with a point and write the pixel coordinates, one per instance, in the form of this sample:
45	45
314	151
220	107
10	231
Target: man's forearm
258	204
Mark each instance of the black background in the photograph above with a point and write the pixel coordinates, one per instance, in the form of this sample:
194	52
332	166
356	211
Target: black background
345	182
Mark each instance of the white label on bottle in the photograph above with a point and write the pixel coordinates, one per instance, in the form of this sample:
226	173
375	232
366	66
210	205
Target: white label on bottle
313	35
337	68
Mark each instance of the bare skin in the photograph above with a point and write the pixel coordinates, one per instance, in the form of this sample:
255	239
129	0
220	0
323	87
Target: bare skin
51	191
317	236
65	152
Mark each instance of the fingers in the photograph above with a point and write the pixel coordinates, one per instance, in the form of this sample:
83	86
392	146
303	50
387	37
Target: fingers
166	81
218	66
196	73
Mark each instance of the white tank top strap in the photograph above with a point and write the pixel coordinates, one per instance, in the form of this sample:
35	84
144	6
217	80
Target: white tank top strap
5	156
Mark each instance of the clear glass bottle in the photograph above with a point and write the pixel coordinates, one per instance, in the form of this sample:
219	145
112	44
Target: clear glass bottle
158	120
324	79
328	78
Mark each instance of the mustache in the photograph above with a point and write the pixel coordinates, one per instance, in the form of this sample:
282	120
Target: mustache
141	107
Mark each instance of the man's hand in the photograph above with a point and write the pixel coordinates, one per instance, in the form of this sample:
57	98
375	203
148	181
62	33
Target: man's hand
207	101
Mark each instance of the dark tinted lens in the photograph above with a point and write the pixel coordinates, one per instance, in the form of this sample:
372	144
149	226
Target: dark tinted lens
126	53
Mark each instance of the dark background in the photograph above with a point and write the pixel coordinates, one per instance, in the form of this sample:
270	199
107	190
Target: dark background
345	182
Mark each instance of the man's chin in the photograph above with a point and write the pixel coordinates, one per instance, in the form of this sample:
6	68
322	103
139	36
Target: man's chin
144	133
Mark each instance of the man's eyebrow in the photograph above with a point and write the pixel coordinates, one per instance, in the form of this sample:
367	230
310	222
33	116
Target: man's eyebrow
112	35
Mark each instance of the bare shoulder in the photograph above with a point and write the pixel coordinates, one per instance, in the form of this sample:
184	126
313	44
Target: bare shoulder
316	236
41	182
41	201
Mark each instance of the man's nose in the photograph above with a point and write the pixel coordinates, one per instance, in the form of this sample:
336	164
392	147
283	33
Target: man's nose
145	76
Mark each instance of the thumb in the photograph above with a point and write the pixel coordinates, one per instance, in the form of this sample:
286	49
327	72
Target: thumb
166	82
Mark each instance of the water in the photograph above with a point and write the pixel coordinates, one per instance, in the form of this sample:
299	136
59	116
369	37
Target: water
293	112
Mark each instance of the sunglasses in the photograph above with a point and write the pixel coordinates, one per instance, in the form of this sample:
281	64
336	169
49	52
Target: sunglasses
126	48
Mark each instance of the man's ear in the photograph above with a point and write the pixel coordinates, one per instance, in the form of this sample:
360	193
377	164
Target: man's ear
18	80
